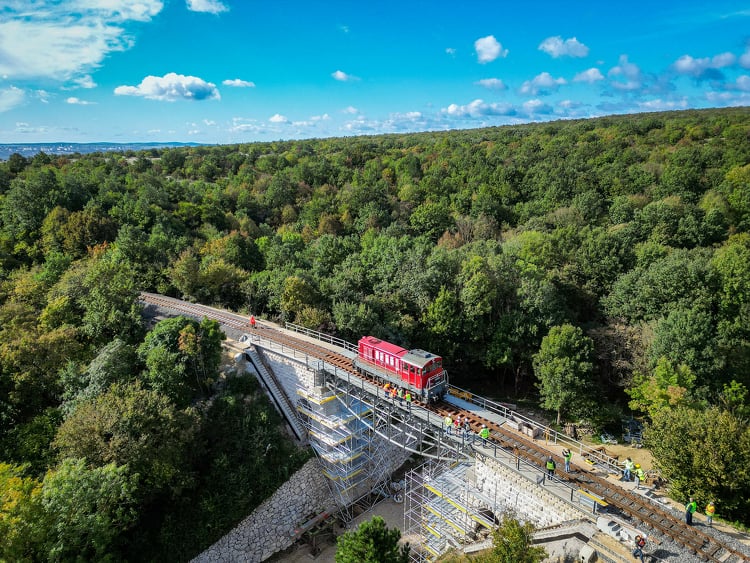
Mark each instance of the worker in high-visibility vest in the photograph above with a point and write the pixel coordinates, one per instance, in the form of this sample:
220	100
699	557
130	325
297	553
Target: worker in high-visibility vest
640	475
710	511
484	434
408	401
448	421
550	465
628	469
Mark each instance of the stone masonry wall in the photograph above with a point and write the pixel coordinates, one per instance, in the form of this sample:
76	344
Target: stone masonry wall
270	528
289	373
528	500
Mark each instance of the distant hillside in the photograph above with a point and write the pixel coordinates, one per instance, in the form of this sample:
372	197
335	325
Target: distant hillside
31	149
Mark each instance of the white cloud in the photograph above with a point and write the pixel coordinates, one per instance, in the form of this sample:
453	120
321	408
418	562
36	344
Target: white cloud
541	83
745	59
663	105
66	40
209	122
491	83
171	87
478	108
344	28
278	118
245	125
42	96
536	107
591	75
324	117
238	83
78	102
488	49
10	98
84	82
569	104
625	76
729	98
556	47
741	84
341	76
704	68
450	51
22	127
208	6
350	110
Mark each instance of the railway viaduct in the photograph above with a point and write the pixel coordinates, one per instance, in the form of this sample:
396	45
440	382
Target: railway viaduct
361	436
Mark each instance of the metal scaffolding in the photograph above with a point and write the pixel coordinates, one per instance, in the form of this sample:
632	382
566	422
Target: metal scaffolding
445	509
354	460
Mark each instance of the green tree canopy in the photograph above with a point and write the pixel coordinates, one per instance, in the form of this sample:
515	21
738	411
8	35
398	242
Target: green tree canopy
181	357
372	542
704	454
563	368
512	543
87	510
133	426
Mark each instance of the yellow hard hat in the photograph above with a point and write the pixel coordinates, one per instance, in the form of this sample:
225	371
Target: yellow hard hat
637	465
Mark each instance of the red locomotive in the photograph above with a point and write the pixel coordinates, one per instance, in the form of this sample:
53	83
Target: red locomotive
419	371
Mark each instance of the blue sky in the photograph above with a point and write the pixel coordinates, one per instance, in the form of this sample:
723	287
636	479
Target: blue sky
230	71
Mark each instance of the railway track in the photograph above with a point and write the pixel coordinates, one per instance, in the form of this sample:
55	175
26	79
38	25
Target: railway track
641	512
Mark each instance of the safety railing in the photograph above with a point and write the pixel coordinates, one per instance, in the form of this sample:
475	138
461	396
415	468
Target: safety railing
550	435
322	336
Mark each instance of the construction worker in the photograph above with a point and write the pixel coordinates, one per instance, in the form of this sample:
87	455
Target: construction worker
550	465
690	509
467	426
448	423
567	456
394	393
640	543
484	434
710	511
456	424
408	401
400	396
640	476
627	469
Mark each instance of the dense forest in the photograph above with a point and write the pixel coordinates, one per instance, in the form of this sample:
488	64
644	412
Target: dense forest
599	268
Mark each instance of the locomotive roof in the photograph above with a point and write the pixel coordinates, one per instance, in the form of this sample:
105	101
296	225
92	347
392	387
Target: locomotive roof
383	345
419	358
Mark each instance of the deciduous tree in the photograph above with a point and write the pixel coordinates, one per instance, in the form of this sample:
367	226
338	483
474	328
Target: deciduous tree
372	542
563	368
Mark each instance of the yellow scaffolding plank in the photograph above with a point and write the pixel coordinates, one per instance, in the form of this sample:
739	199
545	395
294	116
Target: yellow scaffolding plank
316	399
481	521
432	531
446	520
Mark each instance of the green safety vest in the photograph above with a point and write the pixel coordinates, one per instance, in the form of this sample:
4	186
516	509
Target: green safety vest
408	397
551	464
692	507
484	432
569	455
